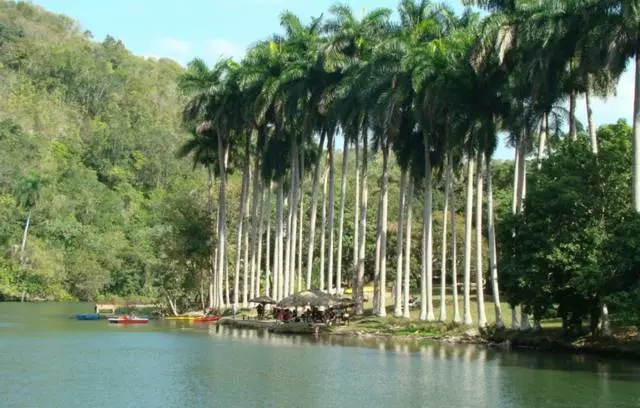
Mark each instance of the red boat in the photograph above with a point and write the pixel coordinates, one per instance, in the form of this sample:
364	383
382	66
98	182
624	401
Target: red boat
206	319
128	320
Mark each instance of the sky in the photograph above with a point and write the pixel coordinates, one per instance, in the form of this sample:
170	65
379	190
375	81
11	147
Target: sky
211	29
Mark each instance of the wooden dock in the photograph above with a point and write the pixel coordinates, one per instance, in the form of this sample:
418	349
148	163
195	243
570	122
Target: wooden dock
111	307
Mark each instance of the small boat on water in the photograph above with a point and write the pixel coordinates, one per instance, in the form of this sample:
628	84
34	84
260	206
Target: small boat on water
182	317
128	320
88	316
207	319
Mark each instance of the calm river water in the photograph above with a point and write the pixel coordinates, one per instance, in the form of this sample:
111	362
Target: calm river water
48	359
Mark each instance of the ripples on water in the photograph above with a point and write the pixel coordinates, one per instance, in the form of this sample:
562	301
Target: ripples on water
58	362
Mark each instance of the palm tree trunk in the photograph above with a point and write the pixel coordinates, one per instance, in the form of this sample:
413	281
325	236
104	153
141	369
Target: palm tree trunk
636	138
268	255
222	217
359	289
259	239
376	273
278	272
292	206
330	243
407	254
592	128
245	261
482	319
443	258
23	246
257	193
397	310
426	308
343	190
467	244
542	140
323	227
301	218
243	194
314	211
493	256
384	200
573	128
356	224
454	245
294	218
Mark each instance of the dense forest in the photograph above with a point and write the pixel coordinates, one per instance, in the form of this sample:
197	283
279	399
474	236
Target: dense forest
343	152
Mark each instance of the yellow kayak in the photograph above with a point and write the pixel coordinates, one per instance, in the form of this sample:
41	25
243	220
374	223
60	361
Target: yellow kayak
182	317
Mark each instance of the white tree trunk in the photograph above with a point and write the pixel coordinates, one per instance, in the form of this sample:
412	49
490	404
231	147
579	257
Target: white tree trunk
268	280
243	195
493	256
301	218
592	128
294	219
314	211
331	162
605	325
384	195
245	260
359	289
356	224
172	305
222	217
281	248
407	255
542	141
573	128
467	244
376	271
636	138
323	227
397	310
343	190
259	238
482	319
443	263
426	308
454	243
256	201
277	264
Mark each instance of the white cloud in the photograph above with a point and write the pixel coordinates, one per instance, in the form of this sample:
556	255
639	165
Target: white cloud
221	48
173	46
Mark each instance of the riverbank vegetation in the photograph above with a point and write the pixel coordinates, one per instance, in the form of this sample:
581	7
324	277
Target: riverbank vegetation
340	152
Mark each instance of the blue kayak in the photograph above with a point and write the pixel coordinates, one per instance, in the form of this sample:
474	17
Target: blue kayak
88	316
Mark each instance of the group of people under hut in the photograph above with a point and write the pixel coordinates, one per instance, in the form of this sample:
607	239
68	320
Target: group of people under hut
328	316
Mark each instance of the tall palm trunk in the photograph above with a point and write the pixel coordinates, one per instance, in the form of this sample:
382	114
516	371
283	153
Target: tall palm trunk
356	214
407	254
23	258
323	227
294	219
301	218
277	270
243	195
245	260
222	217
636	138
573	128
397	310
331	162
467	244
426	304
314	211
258	275
493	256
359	289
592	128
443	258
268	256
482	319
343	190
256	201
384	199
210	181
542	140
376	271
454	240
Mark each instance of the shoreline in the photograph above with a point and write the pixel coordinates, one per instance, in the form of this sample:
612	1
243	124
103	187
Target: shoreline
547	341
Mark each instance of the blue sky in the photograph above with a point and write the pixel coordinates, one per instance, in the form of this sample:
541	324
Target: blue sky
214	28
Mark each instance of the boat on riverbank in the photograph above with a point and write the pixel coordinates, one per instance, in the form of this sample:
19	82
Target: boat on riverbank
128	320
206	319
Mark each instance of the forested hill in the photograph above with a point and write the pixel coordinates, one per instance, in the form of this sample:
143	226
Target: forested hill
88	135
